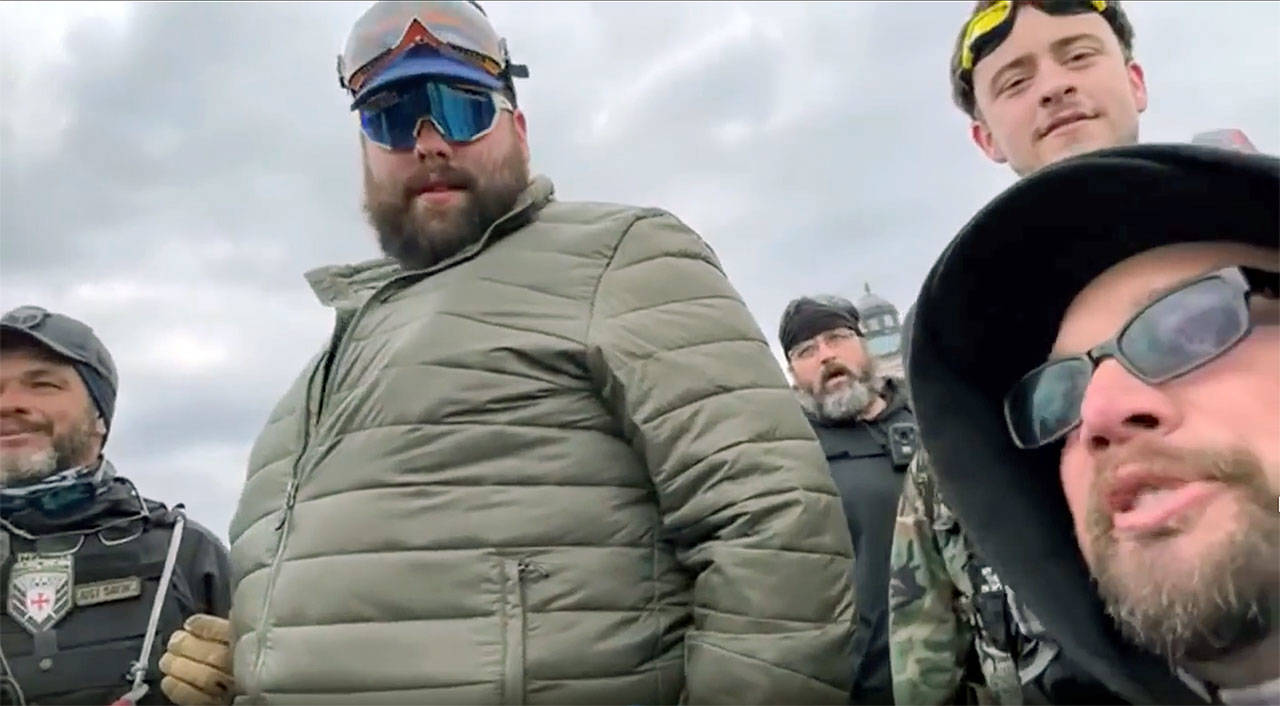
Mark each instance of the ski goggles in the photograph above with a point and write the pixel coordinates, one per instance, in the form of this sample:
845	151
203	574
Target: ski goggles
1175	334
981	27
457	29
393	118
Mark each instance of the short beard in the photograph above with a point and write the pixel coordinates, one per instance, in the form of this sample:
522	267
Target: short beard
846	403
1211	605
65	452
420	239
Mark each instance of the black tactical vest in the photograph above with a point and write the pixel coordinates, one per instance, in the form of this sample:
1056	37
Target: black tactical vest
869	473
77	605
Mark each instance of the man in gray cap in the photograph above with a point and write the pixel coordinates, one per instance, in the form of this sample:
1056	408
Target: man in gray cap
94	576
867	432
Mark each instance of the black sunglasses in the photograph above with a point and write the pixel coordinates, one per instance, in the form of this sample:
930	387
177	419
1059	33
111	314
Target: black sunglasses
1171	336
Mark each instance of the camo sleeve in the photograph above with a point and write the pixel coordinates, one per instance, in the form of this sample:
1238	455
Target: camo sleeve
927	640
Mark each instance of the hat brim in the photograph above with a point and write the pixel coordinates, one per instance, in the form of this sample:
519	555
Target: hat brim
47	343
989	311
418	65
1015	267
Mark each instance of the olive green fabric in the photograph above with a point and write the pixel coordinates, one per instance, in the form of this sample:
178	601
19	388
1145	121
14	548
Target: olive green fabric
560	467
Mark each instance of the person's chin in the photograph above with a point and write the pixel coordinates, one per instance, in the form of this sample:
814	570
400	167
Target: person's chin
1074	140
25	466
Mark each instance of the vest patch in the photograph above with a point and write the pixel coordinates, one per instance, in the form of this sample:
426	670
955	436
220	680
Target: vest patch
106	591
40	590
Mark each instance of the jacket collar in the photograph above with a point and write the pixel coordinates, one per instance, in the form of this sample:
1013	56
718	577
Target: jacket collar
348	286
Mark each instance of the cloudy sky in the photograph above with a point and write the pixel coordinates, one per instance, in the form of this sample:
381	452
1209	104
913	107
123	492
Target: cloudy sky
169	171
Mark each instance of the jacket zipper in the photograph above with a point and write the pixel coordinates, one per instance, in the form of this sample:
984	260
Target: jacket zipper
517	574
282	525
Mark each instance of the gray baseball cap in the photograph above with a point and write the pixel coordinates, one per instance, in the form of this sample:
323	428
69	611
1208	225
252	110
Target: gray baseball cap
73	340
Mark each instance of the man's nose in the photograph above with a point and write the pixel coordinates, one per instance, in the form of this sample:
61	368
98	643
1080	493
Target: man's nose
428	142
826	352
1118	408
1059	86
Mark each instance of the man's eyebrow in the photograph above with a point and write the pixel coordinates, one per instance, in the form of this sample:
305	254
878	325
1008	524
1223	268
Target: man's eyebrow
1059	45
1144	300
1023	61
44	370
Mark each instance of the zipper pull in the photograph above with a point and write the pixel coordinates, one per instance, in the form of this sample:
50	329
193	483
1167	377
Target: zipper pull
290	494
528	568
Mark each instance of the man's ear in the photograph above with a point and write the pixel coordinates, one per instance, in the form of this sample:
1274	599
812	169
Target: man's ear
522	130
1138	85
982	137
100	426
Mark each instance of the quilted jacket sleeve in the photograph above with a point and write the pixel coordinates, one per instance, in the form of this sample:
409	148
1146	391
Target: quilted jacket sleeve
742	484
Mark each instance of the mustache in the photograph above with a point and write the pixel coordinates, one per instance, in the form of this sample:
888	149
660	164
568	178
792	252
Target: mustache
1175	463
832	369
17	424
1233	466
444	175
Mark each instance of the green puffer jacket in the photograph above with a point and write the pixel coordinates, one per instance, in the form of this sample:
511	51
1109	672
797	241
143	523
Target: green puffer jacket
560	467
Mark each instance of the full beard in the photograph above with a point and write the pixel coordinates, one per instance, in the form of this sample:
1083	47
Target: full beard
65	451
844	403
1205	607
418	236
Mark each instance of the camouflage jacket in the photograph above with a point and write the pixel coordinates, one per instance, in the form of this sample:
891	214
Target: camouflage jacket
952	635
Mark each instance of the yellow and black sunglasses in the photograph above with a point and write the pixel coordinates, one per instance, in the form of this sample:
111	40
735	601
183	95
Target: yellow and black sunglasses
982	25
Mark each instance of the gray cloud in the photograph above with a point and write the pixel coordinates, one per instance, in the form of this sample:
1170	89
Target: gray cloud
169	177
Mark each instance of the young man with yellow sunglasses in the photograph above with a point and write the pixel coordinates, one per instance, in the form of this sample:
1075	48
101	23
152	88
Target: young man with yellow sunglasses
1046	80
1041	81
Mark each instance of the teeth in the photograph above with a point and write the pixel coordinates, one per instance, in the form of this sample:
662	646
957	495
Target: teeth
1149	496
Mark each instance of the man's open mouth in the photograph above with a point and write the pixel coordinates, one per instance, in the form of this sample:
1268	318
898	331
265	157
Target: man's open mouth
1143	501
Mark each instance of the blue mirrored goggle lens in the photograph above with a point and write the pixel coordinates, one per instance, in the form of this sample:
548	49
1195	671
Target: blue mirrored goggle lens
458	115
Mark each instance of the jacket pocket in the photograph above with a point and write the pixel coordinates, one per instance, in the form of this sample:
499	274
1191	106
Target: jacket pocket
518	573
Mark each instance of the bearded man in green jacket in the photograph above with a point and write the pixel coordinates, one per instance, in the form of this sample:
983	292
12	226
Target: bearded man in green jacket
547	456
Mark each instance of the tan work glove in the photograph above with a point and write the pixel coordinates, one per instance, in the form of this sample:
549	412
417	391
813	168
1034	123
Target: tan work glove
197	663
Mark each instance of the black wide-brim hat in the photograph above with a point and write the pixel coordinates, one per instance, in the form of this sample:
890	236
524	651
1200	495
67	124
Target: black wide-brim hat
988	313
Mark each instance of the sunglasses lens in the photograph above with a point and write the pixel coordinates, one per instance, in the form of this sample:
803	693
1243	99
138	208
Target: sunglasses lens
1046	402
1185	329
388	127
461	115
458	114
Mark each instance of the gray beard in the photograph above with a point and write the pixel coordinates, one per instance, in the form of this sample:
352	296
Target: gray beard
65	452
842	405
